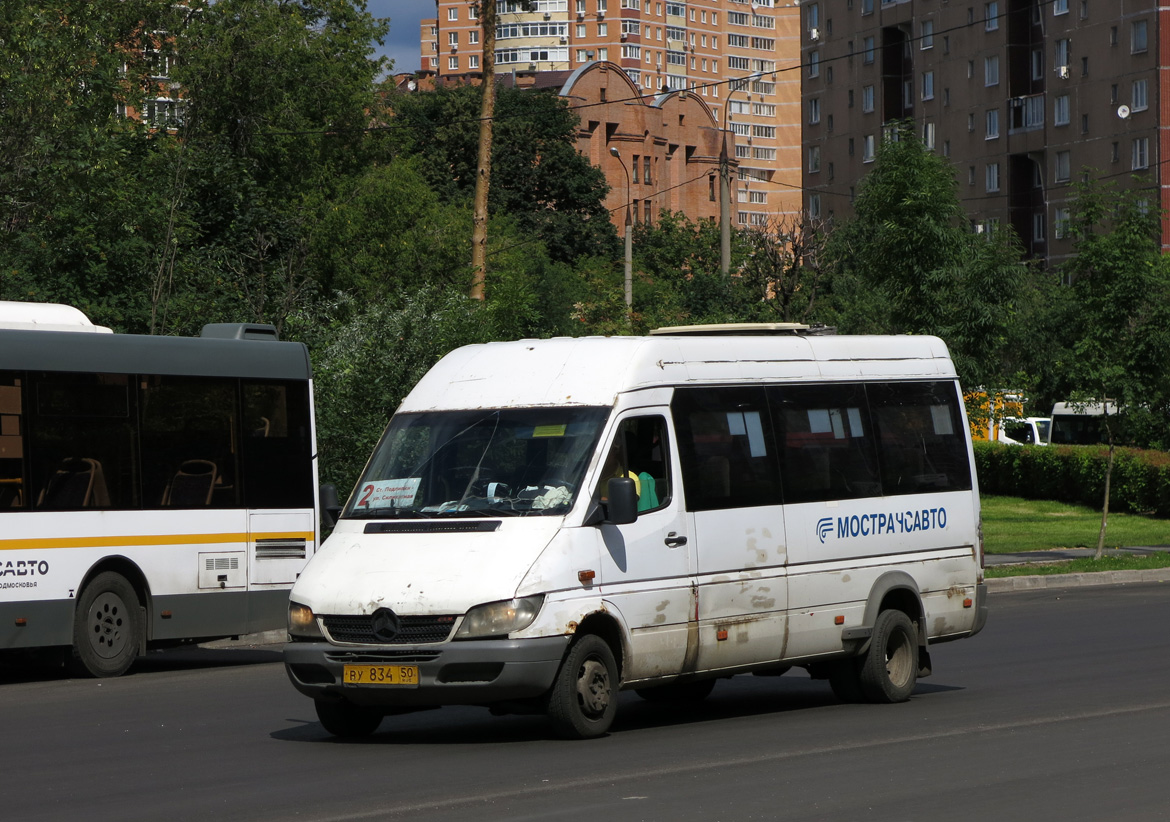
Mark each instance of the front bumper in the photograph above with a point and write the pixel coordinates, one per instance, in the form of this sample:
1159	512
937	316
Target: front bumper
472	672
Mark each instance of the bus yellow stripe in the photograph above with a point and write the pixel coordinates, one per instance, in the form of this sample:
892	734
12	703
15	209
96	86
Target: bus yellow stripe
145	540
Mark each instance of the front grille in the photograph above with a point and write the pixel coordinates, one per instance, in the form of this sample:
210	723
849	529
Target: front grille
412	657
415	630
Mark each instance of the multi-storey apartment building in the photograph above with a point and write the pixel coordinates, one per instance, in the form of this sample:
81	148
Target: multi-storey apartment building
741	57
1024	97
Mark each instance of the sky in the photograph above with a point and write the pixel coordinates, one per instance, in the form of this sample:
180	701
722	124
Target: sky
402	40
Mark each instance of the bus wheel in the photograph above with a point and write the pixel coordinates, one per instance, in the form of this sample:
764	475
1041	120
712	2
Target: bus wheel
583	699
890	669
107	626
693	691
344	719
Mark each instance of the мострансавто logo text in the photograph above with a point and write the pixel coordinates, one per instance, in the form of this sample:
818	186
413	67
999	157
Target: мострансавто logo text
866	525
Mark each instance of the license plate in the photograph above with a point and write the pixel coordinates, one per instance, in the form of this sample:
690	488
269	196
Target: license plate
380	675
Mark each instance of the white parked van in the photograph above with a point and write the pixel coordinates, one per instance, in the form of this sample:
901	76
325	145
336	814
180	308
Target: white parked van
546	522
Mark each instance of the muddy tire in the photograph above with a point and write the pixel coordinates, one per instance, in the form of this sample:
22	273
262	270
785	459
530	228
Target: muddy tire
107	627
890	668
345	720
583	699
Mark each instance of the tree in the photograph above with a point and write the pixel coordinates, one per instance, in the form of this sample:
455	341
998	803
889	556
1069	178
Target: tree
927	273
539	179
1121	285
783	265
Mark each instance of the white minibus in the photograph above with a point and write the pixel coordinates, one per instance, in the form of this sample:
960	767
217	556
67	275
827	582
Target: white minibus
547	522
153	490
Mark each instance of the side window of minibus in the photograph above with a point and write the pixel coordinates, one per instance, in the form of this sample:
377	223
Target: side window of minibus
922	441
640	451
827	448
726	448
12	434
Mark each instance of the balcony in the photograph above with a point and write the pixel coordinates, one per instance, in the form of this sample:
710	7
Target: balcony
1027	113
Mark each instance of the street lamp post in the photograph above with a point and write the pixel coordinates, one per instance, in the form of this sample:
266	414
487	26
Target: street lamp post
629	240
725	185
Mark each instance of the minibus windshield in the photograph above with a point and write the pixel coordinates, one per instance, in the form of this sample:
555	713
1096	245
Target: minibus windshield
493	462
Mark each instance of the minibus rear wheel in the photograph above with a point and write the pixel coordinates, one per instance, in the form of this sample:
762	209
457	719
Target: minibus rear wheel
583	699
346	720
890	669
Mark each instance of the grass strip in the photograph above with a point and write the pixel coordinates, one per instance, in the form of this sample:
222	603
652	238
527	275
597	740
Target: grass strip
1111	561
1013	524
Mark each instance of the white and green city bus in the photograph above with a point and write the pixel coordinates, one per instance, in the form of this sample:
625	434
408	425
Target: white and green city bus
153	490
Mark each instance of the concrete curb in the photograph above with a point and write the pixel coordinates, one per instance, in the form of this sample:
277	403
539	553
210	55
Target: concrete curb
1043	581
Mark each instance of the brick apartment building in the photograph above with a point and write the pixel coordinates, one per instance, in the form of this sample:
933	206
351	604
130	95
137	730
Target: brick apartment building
739	58
1019	95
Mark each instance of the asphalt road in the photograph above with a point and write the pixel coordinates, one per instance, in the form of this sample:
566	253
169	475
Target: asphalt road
1060	709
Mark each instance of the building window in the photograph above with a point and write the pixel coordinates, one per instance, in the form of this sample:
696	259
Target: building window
1062	167
1062	57
1141	153
453	14
1037	64
992	124
1060	223
867	51
1059	7
867	6
452	38
928	85
927	34
453	64
1060	110
992	177
867	150
645	170
814	159
1138	41
991	16
991	70
1038	228
867	98
928	135
814	110
814	64
1141	100
814	205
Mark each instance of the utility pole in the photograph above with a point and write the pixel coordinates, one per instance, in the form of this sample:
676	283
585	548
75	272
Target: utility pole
487	16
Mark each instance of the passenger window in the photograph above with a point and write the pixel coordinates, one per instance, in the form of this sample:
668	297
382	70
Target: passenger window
94	409
12	493
188	443
827	447
276	452
921	440
726	448
640	451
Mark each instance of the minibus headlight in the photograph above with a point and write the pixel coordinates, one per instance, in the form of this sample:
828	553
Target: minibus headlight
302	622
500	618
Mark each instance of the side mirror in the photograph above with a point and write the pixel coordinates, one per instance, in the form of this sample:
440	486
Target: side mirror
330	507
622	507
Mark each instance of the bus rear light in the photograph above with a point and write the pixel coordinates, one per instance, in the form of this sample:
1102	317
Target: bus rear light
967	602
21	622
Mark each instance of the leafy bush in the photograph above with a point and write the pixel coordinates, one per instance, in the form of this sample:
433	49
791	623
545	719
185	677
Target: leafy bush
1076	473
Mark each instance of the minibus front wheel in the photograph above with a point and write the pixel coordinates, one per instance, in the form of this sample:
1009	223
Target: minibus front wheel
583	699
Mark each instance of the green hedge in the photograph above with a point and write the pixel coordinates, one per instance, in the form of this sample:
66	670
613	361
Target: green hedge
1076	474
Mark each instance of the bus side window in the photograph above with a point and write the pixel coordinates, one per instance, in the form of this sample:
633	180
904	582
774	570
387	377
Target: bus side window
82	441
276	448
921	439
828	449
12	494
726	448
